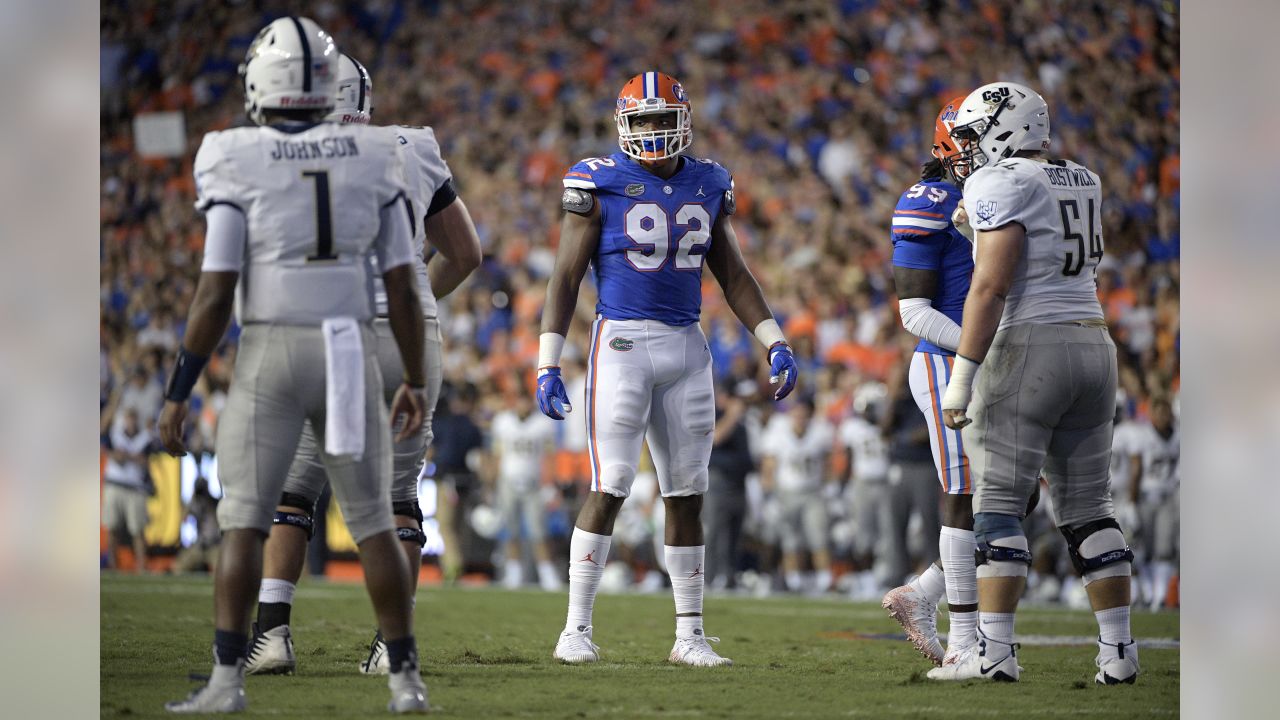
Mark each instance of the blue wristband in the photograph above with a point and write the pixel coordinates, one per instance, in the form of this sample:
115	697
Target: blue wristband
186	372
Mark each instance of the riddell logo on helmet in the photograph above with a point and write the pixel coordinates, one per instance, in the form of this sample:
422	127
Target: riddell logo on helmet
307	101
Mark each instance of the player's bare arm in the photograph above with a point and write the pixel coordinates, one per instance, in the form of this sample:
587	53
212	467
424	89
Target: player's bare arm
741	291
915	283
453	234
206	323
998	253
404	311
743	294
579	238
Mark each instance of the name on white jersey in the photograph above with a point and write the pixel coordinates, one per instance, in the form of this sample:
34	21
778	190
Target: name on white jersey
341	146
1068	177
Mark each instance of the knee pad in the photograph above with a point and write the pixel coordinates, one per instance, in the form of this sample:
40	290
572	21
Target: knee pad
407	508
1001	546
301	520
413	535
617	479
1098	550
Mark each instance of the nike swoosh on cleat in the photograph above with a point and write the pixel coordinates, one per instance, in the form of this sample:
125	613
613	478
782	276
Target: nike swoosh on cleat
985	670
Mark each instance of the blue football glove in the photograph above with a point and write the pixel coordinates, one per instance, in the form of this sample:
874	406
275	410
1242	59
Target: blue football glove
553	401
783	370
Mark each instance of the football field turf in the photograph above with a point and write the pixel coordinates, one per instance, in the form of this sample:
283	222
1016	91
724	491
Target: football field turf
487	654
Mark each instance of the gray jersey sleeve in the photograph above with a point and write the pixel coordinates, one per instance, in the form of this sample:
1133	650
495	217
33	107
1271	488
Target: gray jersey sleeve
433	171
215	175
996	196
394	243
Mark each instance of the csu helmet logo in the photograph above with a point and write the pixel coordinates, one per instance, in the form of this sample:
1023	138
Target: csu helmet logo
622	344
995	96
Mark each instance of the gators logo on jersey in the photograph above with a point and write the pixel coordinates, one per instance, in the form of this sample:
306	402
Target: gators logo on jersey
622	344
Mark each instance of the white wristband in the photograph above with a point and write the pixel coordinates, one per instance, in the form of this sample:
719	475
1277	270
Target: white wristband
960	386
768	333
550	345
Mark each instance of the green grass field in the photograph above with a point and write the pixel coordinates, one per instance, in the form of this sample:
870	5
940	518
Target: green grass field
487	654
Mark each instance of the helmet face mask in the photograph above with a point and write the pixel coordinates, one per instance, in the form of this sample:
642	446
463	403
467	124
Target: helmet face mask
291	66
647	94
995	122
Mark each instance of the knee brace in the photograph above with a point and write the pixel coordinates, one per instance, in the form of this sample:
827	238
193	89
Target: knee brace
301	520
1098	550
1001	546
407	508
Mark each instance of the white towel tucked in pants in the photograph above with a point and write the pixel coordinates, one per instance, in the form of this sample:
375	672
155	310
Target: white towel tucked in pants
344	387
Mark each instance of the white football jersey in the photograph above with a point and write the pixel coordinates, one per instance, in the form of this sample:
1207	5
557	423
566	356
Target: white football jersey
521	446
312	202
870	453
1125	440
425	173
1060	205
801	460
1160	455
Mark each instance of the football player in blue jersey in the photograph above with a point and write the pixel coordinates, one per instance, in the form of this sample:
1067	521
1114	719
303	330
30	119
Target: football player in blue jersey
646	219
932	265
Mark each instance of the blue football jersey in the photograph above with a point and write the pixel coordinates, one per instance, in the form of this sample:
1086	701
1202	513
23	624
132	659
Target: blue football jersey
654	234
925	239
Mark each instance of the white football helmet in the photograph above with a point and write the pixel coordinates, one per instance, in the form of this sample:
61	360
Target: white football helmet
997	120
291	65
355	93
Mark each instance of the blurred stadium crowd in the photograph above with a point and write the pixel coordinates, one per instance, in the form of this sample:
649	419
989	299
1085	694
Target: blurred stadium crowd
823	111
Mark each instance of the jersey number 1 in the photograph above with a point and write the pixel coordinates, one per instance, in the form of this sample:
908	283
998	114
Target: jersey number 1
324	218
1075	260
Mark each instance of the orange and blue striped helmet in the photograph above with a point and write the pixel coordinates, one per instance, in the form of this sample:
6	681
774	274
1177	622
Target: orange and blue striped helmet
652	93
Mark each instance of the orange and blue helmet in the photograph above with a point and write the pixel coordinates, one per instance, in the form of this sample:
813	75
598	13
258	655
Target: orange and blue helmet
651	93
945	147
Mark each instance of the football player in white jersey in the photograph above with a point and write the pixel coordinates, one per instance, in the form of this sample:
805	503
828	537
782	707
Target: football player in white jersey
1153	489
796	453
1045	395
868	490
436	215
299	277
522	439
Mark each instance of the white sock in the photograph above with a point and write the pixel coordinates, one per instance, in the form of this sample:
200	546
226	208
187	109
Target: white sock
547	574
795	581
588	553
997	626
684	565
1161	575
932	583
822	581
274	590
1113	625
956	548
223	675
512	573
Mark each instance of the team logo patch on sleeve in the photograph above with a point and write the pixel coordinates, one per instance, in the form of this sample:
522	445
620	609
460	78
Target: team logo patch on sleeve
622	344
634	190
986	211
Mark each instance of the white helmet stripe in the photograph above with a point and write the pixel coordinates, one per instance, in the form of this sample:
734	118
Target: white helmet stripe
306	54
651	84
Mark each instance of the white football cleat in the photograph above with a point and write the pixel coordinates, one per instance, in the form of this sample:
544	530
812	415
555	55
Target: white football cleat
918	617
1117	663
696	651
956	652
986	659
575	646
271	652
225	695
408	692
377	663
